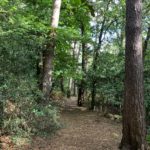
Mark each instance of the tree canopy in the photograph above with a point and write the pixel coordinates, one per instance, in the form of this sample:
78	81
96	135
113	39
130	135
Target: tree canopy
88	59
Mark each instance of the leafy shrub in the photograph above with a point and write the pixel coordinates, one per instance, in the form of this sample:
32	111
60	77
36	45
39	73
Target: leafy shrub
23	116
19	83
46	119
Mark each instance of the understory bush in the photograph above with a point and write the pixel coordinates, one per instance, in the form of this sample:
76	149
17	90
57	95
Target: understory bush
23	116
110	81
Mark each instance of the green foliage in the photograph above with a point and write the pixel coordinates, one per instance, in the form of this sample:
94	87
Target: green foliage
24	33
46	119
22	40
147	84
148	135
109	78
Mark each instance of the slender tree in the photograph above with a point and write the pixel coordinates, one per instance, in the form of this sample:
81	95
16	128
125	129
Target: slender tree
62	84
81	89
1	113
104	27
95	61
75	57
134	130
145	46
48	54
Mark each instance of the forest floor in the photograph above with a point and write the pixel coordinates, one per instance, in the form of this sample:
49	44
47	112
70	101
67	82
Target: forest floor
83	130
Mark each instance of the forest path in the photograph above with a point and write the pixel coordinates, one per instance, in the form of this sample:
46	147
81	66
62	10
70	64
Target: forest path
83	130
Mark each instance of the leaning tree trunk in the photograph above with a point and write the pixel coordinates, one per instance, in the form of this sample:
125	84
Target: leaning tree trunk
48	54
134	130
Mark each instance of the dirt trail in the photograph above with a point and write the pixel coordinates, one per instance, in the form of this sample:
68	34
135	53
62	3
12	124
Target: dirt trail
83	130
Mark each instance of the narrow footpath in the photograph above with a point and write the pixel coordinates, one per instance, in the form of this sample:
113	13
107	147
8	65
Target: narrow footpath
83	130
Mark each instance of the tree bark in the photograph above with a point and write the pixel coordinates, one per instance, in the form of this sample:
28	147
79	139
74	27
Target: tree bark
134	130
48	54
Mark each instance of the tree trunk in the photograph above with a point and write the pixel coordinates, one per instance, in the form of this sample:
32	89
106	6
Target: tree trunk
134	130
69	88
39	72
81	93
75	57
93	93
96	55
62	84
95	61
146	42
74	88
48	54
82	83
1	114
